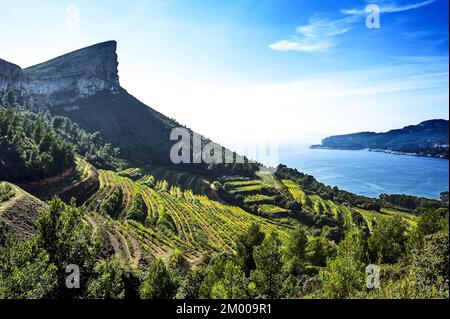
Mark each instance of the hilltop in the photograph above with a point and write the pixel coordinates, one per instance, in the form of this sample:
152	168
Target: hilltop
429	138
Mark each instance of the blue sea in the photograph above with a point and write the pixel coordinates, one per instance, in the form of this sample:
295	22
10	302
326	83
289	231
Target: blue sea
372	173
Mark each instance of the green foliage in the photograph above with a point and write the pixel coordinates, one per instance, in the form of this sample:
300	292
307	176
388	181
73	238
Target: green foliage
432	221
271	209
132	173
232	285
68	239
88	145
344	276
166	223
311	186
148	181
425	278
138	211
267	276
408	202
112	206
30	149
245	245
160	283
190	285
6	192
388	240
319	249
296	250
107	282
179	262
26	271
431	263
214	273
35	268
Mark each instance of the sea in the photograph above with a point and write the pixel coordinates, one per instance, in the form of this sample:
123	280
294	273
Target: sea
371	173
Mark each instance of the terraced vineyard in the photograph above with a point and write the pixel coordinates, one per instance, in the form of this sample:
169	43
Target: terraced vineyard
194	224
185	180
19	211
297	193
258	192
344	213
79	182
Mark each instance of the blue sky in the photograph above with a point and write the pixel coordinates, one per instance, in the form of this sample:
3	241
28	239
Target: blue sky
290	69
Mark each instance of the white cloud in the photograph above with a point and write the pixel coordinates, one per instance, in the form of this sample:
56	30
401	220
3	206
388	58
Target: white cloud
301	45
317	36
389	8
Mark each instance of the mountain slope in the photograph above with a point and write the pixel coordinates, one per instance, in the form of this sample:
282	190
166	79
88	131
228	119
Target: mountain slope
429	138
19	212
84	86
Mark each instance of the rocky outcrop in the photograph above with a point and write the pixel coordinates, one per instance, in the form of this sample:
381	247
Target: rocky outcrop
11	76
75	75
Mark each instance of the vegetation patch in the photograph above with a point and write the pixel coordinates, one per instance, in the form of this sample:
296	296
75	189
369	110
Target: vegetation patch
259	199
6	192
271	209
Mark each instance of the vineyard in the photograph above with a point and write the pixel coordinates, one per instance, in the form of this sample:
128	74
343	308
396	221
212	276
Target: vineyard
344	213
19	210
261	193
170	218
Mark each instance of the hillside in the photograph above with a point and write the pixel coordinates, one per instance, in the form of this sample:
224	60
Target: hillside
429	138
18	212
84	86
85	179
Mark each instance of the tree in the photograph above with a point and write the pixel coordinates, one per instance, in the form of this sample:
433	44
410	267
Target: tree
318	250
267	276
431	263
68	239
430	222
26	271
296	250
344	276
245	245
232	285
214	273
427	276
108	281
388	240
160	282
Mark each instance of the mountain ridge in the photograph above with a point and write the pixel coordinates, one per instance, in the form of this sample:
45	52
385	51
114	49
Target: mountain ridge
428	138
84	86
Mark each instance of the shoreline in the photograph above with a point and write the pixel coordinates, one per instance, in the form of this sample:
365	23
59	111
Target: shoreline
379	151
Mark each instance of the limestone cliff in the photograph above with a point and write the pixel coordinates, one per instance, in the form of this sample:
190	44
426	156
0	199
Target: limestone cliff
75	75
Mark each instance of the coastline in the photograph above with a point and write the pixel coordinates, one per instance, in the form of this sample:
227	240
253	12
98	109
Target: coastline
379	150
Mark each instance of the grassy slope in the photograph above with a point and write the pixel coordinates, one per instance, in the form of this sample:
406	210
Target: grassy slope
19	213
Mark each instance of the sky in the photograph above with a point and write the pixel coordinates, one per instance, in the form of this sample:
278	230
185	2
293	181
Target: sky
291	70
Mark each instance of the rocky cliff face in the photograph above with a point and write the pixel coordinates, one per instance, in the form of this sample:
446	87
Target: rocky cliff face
11	76
75	75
